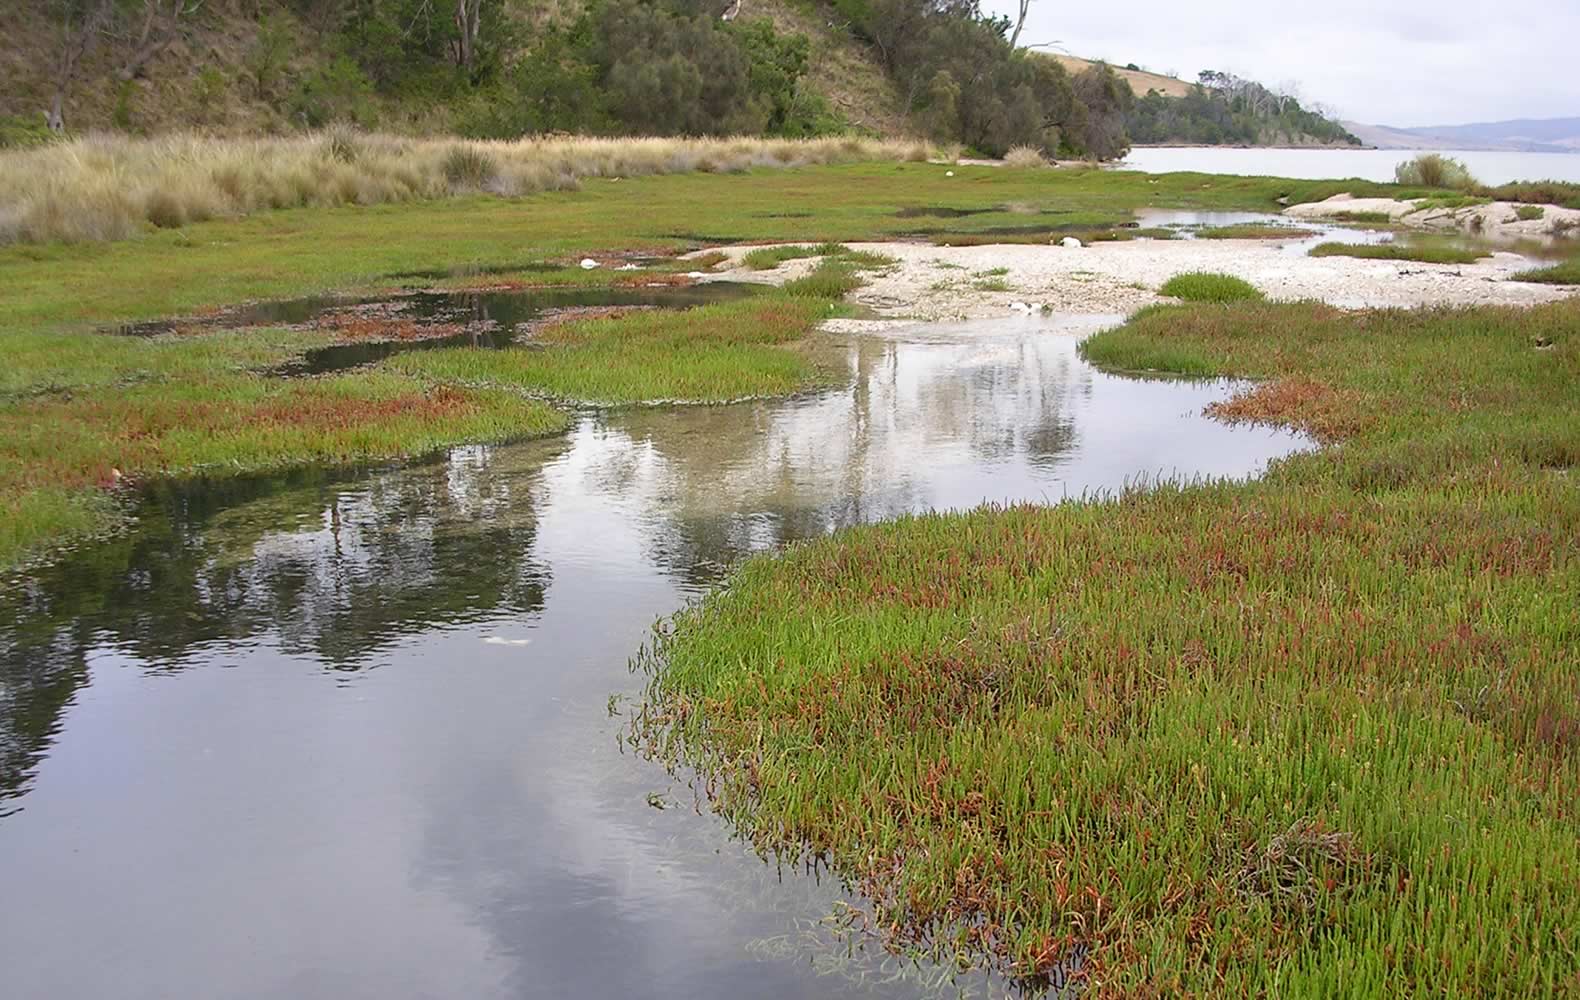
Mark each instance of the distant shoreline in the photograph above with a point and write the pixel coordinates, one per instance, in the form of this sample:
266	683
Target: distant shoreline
1244	145
1339	146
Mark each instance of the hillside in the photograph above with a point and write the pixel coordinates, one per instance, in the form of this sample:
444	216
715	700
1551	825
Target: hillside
1550	135
1141	82
1530	135
843	70
508	68
787	68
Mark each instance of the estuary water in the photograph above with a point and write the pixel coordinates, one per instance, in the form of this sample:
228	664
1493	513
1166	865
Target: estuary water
349	734
1366	164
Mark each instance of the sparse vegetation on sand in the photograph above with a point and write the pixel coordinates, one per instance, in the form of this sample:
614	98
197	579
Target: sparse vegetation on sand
1424	252
1308	736
1204	286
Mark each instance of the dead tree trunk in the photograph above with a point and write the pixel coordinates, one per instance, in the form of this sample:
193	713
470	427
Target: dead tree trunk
1020	22
81	27
468	26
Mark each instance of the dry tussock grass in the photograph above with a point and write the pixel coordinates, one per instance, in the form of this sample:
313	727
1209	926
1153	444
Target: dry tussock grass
112	187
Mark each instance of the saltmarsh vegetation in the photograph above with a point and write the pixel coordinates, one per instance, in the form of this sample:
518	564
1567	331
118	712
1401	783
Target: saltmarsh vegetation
1563	273
1422	251
1207	286
1308	736
709	354
1250	231
57	294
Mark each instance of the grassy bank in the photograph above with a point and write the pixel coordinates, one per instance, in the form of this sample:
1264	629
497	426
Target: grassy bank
1309	736
1427	253
1565	273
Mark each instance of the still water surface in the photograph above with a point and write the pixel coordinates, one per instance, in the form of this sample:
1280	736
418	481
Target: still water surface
1367	164
347	735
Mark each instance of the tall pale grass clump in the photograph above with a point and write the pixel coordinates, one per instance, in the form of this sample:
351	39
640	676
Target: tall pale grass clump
105	187
1025	156
1435	170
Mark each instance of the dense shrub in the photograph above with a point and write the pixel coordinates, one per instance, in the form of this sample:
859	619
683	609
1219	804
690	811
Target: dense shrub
1435	170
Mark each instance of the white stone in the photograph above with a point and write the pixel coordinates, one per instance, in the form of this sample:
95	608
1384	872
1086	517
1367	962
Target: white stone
588	263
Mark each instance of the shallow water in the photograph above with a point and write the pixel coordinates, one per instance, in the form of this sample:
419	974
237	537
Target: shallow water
345	735
1186	224
1366	164
489	319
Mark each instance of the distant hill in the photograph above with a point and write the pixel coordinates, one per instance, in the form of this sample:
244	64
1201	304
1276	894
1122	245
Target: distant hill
1140	80
1545	135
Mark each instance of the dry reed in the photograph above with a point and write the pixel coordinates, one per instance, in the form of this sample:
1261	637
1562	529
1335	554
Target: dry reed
105	187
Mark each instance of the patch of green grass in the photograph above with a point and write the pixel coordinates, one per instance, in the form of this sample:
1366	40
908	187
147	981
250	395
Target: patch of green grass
1252	232
1565	273
1426	253
992	285
1529	213
768	258
58	451
712	353
1563	193
1236	739
1451	201
1205	286
1374	218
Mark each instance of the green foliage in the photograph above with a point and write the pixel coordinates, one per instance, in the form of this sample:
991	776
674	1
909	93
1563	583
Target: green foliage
208	90
19	132
1225	109
778	65
1105	99
1435	170
1529	213
270	56
125	100
1204	286
337	92
965	84
634	67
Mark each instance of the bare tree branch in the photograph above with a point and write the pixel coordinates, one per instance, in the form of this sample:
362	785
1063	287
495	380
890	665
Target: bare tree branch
1020	22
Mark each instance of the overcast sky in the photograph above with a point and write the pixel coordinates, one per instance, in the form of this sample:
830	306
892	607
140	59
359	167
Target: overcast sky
1404	63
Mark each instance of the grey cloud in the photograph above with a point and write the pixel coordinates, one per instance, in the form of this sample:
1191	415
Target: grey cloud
1414	63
